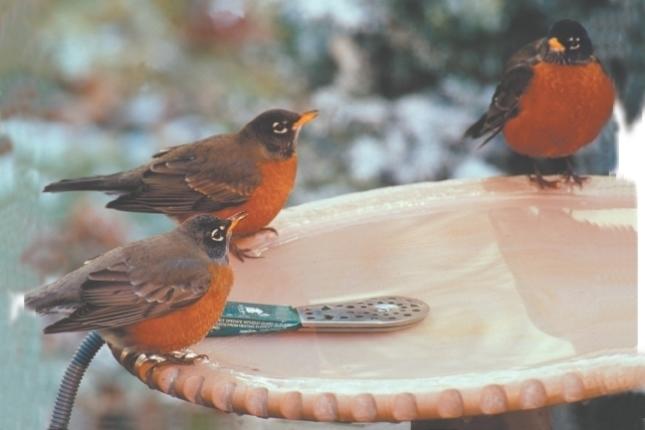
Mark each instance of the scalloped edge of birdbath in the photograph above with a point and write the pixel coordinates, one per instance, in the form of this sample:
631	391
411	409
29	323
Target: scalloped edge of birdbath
569	381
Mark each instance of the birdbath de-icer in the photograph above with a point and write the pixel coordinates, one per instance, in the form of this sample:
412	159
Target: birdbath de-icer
532	297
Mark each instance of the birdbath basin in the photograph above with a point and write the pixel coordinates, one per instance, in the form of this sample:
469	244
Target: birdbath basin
532	297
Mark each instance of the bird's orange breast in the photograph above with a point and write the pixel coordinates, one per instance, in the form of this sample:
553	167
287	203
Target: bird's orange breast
563	108
278	179
185	326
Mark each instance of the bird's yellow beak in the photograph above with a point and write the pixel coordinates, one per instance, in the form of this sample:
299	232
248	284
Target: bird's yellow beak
236	218
555	45
304	119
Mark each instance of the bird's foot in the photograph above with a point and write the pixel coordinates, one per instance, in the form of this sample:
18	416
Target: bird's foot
539	179
242	253
543	183
571	178
184	356
152	359
268	230
146	364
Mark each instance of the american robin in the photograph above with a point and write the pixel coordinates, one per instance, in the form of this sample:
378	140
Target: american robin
554	98
253	170
157	296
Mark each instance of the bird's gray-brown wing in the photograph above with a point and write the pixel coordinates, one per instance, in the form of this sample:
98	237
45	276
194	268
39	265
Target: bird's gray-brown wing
505	103
202	177
135	286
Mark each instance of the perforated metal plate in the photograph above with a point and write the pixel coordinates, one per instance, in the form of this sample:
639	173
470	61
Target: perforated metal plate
378	314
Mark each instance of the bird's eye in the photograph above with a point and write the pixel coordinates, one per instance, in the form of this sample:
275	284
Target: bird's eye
217	235
279	128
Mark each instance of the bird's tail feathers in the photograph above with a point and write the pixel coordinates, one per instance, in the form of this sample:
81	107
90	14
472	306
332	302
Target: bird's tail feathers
482	128
114	182
476	130
44	300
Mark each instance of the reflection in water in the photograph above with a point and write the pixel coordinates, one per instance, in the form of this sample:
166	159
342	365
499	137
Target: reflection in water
575	270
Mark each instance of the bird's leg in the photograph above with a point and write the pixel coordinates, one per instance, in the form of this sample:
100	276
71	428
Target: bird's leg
570	177
539	179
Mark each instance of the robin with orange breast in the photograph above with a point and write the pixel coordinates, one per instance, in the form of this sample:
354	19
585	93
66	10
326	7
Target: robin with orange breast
554	98
157	296
253	170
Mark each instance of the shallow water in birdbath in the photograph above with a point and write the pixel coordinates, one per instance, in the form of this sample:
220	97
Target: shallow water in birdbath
512	280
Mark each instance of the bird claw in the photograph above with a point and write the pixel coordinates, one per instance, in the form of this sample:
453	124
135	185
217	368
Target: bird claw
539	179
573	179
184	356
543	183
569	176
269	230
154	359
242	253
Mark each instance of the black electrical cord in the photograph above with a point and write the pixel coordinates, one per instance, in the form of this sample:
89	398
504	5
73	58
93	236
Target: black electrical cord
72	379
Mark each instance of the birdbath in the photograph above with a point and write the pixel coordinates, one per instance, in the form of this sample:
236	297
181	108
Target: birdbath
532	297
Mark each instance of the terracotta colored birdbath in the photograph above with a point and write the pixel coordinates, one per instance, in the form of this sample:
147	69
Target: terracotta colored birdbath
532	300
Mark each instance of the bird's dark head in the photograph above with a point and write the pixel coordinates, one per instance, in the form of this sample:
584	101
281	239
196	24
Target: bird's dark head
212	234
568	43
278	130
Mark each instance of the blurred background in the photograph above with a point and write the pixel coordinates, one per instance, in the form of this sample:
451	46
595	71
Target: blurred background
95	87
